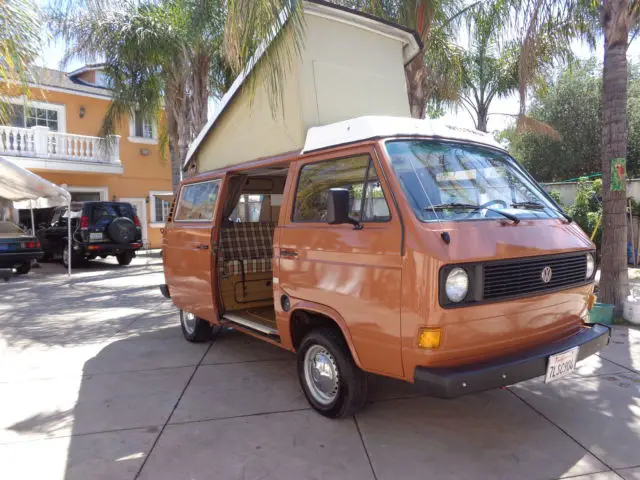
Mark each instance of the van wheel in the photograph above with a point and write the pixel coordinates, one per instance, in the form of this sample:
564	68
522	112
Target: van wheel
195	329
330	379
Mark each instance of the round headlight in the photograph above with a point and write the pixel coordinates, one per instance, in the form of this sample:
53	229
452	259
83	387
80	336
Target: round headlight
457	285
591	265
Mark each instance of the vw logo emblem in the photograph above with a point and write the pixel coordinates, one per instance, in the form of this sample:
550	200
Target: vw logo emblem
546	274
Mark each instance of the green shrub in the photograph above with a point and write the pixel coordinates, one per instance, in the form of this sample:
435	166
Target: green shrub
556	196
587	208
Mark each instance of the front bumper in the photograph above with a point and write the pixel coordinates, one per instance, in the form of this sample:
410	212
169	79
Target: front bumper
500	372
10	260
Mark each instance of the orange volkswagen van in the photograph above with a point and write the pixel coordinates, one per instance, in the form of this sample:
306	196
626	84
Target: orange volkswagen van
394	246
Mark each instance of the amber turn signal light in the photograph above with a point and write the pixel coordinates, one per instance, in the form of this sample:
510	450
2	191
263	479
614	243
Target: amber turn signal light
429	337
591	300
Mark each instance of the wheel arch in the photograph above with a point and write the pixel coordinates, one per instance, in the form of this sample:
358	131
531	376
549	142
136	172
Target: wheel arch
306	316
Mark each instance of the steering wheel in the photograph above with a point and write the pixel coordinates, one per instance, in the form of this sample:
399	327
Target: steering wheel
487	205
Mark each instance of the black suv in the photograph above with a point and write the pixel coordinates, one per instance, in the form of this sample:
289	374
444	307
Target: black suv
98	229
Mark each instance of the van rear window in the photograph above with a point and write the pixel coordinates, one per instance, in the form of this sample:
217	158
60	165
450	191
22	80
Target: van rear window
197	201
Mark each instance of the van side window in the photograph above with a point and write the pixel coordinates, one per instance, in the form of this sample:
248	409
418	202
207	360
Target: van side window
356	174
197	201
253	208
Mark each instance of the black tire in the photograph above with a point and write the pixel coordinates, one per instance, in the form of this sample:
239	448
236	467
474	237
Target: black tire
122	230
76	260
351	380
23	269
125	258
199	331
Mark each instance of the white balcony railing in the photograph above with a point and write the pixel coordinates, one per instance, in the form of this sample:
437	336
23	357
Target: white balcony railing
42	143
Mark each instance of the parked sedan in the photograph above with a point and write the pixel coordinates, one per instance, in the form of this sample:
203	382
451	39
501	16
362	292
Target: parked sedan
17	248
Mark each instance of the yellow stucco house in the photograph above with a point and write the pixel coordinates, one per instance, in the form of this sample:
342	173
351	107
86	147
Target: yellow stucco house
53	131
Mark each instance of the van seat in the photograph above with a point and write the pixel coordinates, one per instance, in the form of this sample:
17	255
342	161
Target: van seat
245	248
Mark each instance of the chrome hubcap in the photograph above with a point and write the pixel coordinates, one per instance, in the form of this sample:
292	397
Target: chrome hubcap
321	374
189	321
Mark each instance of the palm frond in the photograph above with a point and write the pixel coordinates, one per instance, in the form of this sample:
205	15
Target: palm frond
251	26
527	124
20	44
159	56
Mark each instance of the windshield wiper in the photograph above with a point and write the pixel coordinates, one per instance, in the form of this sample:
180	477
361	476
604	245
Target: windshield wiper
529	205
539	206
471	206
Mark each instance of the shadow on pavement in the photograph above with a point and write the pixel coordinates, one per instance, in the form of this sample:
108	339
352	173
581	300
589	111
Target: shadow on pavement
146	404
50	308
134	385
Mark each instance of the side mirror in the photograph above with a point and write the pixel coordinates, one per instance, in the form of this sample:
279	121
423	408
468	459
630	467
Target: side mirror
338	208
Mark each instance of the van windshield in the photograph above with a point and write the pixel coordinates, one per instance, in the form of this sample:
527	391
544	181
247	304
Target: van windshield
450	182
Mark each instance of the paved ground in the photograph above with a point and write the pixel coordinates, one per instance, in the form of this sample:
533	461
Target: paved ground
96	382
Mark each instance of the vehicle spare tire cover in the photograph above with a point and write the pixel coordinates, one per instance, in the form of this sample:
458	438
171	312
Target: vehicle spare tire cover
122	230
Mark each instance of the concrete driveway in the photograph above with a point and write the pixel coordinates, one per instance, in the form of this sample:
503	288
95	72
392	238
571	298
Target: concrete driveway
96	382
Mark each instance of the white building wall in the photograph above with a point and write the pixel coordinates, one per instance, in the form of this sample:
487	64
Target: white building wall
569	190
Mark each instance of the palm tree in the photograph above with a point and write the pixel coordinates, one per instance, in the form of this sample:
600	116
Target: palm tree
167	58
544	30
553	23
19	47
436	74
618	18
489	67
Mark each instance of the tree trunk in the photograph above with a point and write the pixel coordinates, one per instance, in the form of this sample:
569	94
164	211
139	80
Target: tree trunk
172	134
176	165
482	118
614	281
415	73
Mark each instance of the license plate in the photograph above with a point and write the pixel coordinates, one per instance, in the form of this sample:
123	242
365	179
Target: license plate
561	364
95	236
4	247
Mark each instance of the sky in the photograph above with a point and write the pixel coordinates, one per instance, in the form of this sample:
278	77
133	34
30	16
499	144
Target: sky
501	113
510	105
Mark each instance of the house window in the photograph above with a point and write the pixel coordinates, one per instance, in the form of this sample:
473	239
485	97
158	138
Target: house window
14	113
35	114
103	80
160	206
161	210
85	196
143	127
42	117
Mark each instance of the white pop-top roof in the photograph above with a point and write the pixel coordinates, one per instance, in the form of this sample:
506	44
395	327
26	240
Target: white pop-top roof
411	47
365	128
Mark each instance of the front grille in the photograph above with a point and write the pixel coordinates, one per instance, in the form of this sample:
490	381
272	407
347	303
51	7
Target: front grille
524	276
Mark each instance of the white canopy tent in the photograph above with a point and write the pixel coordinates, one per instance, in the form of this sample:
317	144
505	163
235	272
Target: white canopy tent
28	190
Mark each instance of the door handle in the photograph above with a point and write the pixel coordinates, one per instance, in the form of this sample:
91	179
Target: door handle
202	246
288	253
